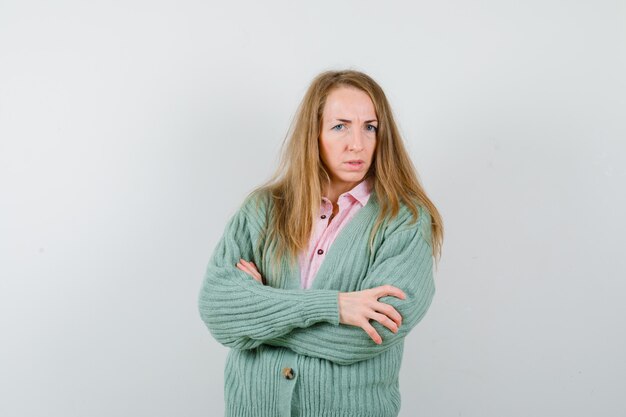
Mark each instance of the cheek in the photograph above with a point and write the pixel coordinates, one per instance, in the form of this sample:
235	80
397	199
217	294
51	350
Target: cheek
371	149
324	152
329	151
334	153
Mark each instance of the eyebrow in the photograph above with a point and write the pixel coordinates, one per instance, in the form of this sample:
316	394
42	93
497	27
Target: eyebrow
350	121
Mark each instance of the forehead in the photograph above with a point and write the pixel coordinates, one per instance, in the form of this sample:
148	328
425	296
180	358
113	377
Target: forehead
347	103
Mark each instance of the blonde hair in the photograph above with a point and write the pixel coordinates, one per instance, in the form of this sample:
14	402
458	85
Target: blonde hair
295	189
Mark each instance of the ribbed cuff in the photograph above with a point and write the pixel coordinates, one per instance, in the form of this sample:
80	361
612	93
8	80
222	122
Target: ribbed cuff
321	305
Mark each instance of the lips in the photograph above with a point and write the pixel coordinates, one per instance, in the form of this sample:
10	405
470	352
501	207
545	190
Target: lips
355	165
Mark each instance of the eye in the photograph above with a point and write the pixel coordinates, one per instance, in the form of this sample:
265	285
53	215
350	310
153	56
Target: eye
335	127
373	128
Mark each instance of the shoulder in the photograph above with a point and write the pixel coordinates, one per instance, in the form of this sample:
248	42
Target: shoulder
254	207
405	222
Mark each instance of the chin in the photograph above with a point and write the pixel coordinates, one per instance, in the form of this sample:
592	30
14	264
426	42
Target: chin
352	177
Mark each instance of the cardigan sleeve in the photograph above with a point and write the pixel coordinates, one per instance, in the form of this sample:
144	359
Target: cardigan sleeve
242	313
404	260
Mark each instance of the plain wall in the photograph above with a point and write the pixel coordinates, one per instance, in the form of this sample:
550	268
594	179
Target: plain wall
130	132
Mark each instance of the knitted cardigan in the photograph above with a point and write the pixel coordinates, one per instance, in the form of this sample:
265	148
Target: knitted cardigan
289	354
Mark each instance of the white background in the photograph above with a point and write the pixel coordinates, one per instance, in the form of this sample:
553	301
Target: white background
130	131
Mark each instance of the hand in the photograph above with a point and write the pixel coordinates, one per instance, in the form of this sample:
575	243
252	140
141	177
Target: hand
357	307
250	269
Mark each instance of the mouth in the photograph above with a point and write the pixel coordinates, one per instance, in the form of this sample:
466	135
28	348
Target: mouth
356	164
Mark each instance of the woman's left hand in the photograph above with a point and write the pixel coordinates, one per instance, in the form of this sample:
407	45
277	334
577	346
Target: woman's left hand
250	269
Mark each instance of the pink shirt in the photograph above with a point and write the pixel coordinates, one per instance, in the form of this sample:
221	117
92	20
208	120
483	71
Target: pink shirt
324	233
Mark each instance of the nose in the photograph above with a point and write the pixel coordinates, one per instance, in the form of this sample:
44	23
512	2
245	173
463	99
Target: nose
356	140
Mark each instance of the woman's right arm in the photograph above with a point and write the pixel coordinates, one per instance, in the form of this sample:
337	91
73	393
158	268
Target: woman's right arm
241	312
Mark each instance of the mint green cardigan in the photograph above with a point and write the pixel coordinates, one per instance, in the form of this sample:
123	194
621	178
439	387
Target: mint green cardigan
289	354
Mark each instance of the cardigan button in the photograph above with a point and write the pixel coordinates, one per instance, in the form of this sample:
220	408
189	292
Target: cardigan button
323	216
288	373
320	251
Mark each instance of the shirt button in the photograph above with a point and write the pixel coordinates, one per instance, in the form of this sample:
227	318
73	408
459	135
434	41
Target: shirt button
288	373
320	251
323	216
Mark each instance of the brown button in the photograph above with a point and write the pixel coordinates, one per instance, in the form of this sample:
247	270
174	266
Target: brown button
323	216
288	373
320	251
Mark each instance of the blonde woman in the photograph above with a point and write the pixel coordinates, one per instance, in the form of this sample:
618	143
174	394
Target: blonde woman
323	271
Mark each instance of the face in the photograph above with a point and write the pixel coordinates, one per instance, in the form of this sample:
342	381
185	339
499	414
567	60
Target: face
349	126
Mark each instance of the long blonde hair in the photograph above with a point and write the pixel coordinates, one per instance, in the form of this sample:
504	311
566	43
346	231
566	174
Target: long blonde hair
295	189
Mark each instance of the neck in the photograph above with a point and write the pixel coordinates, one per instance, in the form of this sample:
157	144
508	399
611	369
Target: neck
336	189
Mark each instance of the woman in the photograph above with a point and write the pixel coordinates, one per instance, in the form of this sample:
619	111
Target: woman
317	329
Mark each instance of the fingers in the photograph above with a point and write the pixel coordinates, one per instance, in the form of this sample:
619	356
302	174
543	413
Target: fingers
356	308
384	313
384	290
385	321
389	311
250	269
261	279
372	333
246	269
